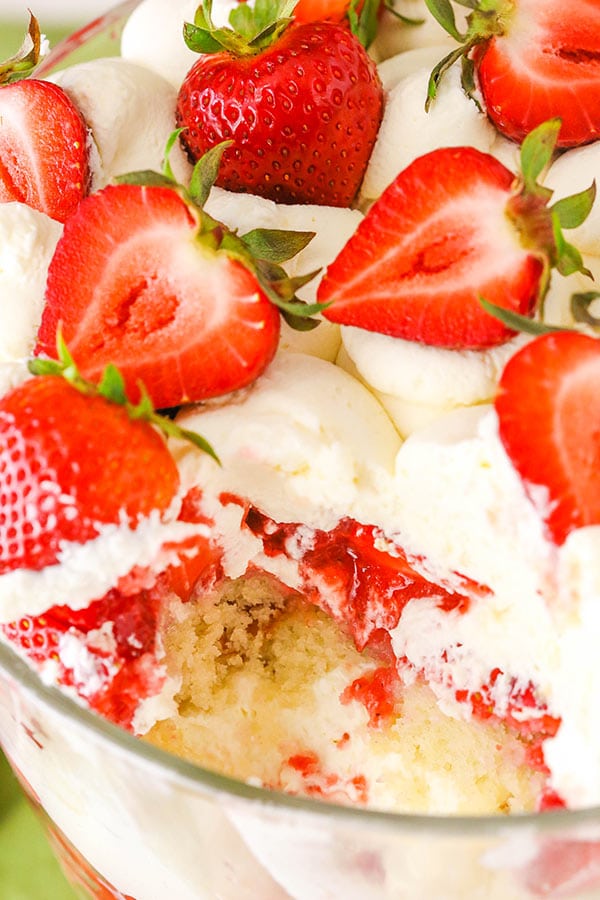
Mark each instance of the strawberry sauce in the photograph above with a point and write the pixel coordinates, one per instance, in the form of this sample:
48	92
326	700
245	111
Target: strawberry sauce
345	572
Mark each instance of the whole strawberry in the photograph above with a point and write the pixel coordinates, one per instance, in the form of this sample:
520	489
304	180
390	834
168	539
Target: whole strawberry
301	103
43	138
70	463
533	60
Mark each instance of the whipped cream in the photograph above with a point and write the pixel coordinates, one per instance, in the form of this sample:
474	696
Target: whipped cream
407	130
417	383
85	572
153	35
28	239
130	111
306	443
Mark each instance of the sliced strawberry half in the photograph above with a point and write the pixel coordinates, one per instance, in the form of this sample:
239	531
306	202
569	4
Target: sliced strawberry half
534	60
43	139
437	240
455	227
548	408
43	149
546	64
143	279
130	285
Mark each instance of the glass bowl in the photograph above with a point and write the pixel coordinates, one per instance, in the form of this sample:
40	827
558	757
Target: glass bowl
131	822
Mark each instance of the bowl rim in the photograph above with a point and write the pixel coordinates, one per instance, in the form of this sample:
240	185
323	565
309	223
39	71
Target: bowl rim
194	775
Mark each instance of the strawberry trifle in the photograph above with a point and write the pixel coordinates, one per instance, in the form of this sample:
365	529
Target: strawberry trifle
299	446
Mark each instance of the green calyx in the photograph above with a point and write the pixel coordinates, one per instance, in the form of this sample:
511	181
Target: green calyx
251	28
22	64
261	250
112	388
255	27
540	226
581	310
487	19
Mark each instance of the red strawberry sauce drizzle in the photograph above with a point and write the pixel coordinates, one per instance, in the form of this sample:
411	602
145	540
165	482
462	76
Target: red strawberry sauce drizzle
345	573
118	634
379	693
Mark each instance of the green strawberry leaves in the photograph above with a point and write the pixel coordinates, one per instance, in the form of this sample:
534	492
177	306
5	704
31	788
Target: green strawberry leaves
26	58
518	323
22	64
580	310
261	250
251	28
573	211
112	388
205	172
275	245
486	19
364	20
539	225
536	155
443	12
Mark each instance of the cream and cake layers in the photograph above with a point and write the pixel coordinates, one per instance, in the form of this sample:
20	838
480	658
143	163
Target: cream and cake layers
377	615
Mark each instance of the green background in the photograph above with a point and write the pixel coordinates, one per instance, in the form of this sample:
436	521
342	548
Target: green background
28	870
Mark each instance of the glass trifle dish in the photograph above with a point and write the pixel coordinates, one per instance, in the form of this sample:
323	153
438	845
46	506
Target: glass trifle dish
299	499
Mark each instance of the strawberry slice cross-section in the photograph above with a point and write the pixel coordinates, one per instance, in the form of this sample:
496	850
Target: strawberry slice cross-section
130	285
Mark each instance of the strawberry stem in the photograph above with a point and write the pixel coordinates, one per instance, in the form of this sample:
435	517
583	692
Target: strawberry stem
251	28
26	58
112	388
486	19
540	226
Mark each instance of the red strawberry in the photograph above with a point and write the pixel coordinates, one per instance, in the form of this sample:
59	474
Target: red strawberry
548	406
454	227
131	283
302	105
144	279
43	144
69	464
534	60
